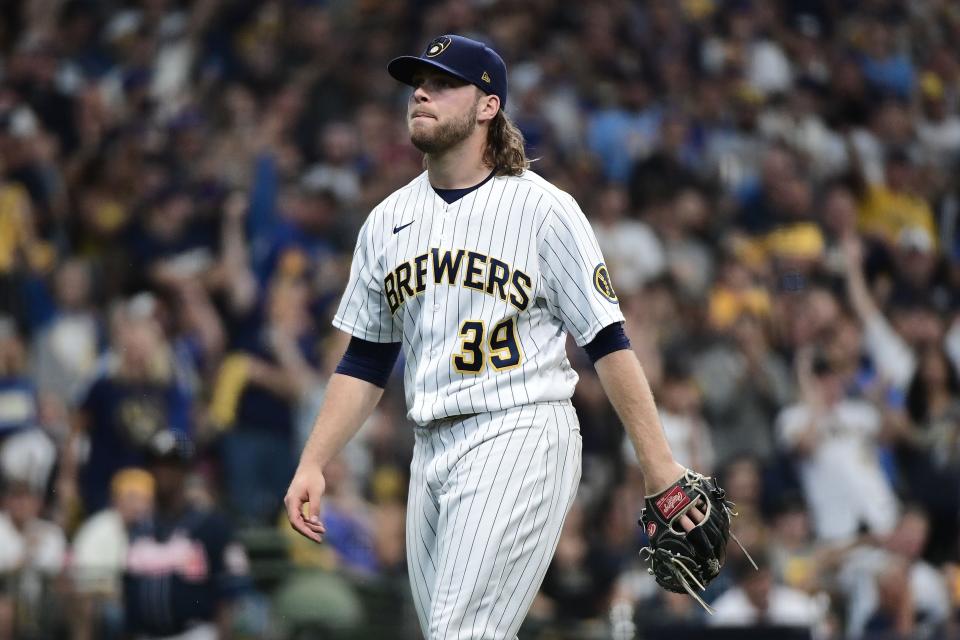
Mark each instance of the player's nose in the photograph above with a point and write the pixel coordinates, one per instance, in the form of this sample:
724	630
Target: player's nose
420	94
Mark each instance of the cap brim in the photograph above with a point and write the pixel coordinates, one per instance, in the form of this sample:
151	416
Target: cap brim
403	68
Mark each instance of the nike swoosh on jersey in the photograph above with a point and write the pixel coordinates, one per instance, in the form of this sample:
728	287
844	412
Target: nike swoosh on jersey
403	226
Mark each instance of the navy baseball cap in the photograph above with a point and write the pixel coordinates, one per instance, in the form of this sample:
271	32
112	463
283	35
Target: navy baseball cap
467	59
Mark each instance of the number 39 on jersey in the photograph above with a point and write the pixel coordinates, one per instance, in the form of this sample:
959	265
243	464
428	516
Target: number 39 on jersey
500	348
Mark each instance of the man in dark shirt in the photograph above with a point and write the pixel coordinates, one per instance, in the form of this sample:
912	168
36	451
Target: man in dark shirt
137	393
183	566
278	344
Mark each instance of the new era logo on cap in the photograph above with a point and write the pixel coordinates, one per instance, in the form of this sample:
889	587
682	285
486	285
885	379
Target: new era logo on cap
463	58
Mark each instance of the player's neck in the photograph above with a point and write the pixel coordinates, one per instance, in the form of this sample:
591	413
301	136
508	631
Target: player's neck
459	167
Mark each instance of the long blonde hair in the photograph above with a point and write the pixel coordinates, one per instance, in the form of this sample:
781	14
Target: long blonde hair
504	150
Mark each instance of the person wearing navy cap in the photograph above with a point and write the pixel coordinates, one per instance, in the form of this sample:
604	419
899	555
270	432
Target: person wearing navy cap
478	269
184	566
471	61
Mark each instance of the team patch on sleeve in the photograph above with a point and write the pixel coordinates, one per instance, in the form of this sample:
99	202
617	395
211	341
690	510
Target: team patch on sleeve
603	283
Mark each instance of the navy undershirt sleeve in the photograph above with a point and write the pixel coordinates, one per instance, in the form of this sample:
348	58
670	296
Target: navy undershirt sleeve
609	339
370	361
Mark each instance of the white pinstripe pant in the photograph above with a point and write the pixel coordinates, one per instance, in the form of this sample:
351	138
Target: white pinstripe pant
488	496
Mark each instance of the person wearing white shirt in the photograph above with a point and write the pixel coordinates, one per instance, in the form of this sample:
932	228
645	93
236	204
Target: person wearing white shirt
757	600
26	541
99	553
630	246
835	443
870	572
32	551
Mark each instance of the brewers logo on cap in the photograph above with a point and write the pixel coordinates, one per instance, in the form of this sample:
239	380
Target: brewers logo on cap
469	60
438	46
603	283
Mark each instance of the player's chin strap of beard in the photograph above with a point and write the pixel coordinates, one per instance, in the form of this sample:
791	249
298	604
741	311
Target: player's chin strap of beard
677	564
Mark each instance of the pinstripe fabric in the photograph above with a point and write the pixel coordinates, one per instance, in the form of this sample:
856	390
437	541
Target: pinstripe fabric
497	456
488	496
523	222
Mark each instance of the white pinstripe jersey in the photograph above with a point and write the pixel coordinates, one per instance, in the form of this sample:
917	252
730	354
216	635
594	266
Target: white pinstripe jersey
481	293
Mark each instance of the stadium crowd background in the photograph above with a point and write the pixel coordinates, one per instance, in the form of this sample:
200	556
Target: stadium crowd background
775	186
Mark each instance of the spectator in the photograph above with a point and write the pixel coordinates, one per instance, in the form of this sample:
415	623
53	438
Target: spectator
135	395
938	129
21	253
794	556
576	587
339	170
681	416
669	168
835	443
253	398
680	222
891	354
916	270
29	456
744	382
742	478
838	218
625	129
759	600
843	348
767	67
65	350
887	208
18	397
891	591
800	123
99	555
893	616
884	67
32	555
735	151
27	453
666	614
303	246
171	241
736	293
927	448
631	248
803	312
933	406
760	201
349	519
183	567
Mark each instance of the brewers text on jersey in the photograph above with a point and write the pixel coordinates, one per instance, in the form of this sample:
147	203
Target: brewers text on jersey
480	273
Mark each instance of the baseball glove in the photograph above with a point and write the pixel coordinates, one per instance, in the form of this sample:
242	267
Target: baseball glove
683	561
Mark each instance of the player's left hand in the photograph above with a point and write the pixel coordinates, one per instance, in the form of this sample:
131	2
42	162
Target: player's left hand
688	524
303	502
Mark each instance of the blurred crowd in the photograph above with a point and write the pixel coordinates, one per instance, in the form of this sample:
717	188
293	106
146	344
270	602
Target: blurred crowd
775	186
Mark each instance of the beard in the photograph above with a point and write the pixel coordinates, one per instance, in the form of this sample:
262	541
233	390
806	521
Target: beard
447	135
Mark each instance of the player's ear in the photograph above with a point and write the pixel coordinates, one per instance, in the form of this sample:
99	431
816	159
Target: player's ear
489	107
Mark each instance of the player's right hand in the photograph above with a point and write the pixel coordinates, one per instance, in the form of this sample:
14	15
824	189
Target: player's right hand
303	502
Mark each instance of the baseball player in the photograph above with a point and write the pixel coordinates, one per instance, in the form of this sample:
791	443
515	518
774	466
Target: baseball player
478	269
